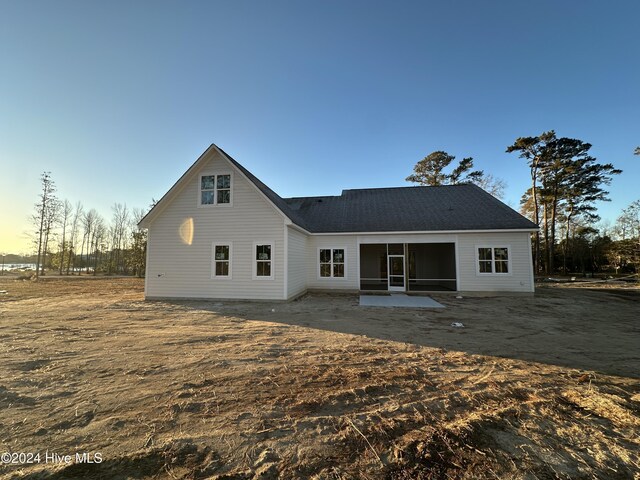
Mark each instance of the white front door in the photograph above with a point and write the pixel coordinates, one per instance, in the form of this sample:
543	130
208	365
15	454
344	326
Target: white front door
396	273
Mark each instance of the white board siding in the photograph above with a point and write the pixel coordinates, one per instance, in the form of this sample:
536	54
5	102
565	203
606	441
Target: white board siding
351	281
176	269
296	262
519	279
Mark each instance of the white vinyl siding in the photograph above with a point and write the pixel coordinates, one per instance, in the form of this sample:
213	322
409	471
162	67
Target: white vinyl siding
180	259
297	262
520	275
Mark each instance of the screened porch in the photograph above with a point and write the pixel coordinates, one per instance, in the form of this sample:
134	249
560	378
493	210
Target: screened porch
408	267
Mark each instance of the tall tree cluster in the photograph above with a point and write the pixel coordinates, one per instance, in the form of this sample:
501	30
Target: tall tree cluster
71	240
566	181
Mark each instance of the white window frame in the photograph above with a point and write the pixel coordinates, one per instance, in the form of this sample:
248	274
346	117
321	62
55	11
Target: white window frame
215	190
318	263
493	261
254	261
221	243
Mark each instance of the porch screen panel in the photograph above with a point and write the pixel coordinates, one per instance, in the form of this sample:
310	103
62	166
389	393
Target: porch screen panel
432	266
373	267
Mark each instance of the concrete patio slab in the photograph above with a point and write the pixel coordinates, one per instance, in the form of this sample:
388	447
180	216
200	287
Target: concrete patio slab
398	300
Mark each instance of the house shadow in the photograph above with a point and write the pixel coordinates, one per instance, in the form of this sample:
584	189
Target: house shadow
584	329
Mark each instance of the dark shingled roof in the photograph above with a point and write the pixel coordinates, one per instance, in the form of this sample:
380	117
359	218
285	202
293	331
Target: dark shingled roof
399	209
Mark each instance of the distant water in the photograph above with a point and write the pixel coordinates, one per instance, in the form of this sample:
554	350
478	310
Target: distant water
18	266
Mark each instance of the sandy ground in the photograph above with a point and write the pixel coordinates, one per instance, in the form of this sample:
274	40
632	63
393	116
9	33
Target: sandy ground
532	387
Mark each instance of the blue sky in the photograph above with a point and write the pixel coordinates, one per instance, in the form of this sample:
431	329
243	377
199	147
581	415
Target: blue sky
117	99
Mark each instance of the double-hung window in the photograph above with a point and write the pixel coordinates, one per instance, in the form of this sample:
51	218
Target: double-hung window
331	262
221	260
493	260
215	189
263	260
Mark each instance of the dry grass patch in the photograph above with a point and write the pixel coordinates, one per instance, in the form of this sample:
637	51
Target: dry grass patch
235	391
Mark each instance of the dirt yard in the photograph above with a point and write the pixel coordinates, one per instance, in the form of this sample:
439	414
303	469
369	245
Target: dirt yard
532	387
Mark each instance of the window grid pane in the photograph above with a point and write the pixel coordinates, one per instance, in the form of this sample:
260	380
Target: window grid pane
224	181
224	196
263	269
325	256
338	270
484	254
485	266
501	253
207	182
502	266
222	269
263	252
206	197
338	256
325	269
222	252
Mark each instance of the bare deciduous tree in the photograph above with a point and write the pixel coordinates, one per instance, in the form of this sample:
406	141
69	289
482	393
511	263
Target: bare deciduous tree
73	242
47	197
65	214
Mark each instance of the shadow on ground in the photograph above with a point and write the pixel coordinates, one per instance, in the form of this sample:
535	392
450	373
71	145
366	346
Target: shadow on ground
586	329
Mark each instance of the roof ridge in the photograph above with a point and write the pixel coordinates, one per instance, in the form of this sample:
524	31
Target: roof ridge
314	196
409	186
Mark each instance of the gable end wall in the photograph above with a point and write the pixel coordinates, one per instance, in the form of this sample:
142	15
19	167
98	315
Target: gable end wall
177	269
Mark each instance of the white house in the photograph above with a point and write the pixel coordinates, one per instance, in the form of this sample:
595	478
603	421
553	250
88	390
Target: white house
221	233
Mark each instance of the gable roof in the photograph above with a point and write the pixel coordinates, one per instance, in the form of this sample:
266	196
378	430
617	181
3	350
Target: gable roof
398	209
273	198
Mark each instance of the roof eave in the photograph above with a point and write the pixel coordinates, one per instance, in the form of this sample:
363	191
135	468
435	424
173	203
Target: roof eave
410	232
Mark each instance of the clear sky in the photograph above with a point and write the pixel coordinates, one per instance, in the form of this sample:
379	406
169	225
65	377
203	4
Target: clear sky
117	99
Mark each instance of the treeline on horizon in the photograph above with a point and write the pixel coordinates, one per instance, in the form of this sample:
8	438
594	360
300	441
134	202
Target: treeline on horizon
13	258
566	182
70	240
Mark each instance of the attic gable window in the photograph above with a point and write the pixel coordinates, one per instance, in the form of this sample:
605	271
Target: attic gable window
215	189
